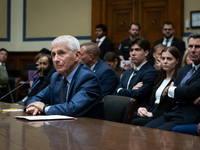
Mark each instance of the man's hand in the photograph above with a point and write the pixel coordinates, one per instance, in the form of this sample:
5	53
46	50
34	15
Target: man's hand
198	128
35	108
166	89
158	65
137	86
142	112
197	101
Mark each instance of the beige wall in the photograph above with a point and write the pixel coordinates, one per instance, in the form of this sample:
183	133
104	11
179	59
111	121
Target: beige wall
3	18
79	18
17	43
189	5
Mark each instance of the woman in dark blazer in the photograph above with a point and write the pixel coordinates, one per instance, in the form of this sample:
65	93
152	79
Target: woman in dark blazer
170	62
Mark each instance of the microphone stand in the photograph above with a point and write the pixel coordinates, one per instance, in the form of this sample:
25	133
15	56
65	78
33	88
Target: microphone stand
39	70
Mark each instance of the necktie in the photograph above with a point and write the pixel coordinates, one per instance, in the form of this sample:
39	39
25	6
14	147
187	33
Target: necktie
97	42
134	73
64	91
188	75
167	42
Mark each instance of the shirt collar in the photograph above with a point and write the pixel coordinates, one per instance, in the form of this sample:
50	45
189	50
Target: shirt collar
101	39
140	66
169	40
70	76
92	68
196	66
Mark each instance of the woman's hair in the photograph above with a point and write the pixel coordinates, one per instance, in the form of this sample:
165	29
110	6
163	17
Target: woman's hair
184	58
162	74
111	56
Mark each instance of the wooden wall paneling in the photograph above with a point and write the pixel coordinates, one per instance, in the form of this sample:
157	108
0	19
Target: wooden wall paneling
151	14
99	15
175	15
119	18
151	17
17	60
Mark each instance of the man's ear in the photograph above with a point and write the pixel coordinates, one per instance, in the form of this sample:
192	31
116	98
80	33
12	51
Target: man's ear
154	55
91	56
77	56
146	52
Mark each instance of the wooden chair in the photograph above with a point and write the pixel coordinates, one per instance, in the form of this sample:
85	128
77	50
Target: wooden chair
119	108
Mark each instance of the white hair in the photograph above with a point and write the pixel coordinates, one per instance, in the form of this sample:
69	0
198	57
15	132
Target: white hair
71	42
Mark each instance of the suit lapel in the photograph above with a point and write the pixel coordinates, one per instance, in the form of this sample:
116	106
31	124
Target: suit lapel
138	74
97	65
73	82
194	76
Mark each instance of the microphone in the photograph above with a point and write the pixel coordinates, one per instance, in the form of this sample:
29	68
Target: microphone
39	70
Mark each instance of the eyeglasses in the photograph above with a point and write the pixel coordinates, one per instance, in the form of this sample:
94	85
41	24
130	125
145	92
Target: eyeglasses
195	46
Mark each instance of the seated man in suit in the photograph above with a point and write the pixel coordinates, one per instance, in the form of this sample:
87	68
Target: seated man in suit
134	29
90	54
3	59
74	89
184	91
103	43
138	81
169	39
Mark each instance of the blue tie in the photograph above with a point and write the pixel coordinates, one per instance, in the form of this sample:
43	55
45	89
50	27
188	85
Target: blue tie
188	75
64	91
166	42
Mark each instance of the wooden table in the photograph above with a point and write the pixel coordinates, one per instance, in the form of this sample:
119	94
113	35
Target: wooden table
85	134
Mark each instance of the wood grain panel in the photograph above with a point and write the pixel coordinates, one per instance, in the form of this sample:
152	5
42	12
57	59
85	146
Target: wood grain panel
17	60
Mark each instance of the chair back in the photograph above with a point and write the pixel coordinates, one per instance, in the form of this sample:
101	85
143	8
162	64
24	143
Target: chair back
119	108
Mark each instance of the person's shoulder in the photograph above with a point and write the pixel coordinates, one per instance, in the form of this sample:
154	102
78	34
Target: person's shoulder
126	40
178	40
55	75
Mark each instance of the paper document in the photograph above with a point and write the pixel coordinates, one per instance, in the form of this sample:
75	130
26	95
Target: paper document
47	117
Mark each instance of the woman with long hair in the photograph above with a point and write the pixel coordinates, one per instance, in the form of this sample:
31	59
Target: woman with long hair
170	63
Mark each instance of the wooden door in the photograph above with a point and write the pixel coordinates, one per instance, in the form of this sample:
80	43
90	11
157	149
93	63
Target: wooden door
151	14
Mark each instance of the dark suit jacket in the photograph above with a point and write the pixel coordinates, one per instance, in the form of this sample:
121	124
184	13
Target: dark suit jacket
175	42
84	95
147	74
105	47
166	103
107	76
185	95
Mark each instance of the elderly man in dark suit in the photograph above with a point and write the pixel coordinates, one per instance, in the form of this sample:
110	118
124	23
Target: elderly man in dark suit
103	43
74	89
185	91
138	81
90	54
169	39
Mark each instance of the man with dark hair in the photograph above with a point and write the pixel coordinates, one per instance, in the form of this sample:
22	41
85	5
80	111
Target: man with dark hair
103	43
90	53
184	91
3	58
138	81
134	29
169	39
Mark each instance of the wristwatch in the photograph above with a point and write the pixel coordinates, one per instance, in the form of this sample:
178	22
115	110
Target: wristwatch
46	105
